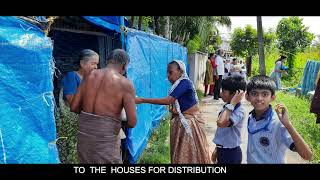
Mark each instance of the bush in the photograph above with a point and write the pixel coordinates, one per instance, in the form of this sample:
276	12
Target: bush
67	128
194	44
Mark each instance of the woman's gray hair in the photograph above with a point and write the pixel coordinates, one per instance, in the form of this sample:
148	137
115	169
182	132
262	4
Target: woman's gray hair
86	54
118	56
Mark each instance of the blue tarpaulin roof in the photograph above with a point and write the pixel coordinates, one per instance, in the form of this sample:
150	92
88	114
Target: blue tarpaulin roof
106	22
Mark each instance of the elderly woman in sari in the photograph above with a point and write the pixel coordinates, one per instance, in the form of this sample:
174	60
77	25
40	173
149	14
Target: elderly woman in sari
188	142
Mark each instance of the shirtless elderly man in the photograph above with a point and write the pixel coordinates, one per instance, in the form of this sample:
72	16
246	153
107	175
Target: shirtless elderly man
100	99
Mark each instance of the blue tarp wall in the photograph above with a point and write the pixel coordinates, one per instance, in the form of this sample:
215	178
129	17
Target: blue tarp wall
27	125
309	76
149	55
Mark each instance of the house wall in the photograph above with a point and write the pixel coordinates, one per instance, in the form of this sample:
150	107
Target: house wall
197	68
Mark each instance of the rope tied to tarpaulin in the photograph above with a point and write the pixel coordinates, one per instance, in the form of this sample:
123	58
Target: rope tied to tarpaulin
42	96
28	29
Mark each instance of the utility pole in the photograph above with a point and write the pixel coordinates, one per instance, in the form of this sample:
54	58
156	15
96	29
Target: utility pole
262	65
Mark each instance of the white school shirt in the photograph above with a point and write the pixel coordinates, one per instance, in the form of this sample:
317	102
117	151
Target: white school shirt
269	145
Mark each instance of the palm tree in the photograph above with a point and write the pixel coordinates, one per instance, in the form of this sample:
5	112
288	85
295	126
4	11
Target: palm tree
187	27
208	28
181	29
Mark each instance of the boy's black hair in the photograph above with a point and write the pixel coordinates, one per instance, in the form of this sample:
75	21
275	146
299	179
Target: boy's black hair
233	83
261	82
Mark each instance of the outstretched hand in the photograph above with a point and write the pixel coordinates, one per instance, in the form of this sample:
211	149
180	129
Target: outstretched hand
237	97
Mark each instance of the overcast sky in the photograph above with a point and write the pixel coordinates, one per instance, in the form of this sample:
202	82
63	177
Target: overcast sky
313	22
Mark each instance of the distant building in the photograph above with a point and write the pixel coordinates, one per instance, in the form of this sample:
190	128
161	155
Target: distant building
225	45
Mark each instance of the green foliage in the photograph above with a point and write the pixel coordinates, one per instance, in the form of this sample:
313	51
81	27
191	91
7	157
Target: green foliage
206	31
67	128
211	49
244	42
146	22
213	43
200	94
200	30
187	28
237	40
302	120
293	37
158	148
209	33
185	24
269	39
194	44
299	64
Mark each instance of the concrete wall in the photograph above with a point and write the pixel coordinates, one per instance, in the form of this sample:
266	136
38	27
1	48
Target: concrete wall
197	68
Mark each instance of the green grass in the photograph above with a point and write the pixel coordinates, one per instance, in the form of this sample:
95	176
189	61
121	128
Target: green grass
158	148
302	120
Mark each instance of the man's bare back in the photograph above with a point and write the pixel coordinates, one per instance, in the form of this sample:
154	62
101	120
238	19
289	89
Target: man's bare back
106	92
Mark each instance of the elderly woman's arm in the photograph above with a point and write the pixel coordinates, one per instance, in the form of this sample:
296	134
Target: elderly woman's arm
161	101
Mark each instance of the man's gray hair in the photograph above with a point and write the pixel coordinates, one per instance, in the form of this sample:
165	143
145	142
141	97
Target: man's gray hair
86	54
118	56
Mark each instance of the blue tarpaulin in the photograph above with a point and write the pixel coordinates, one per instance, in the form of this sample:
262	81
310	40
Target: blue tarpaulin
309	76
27	125
106	22
149	55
